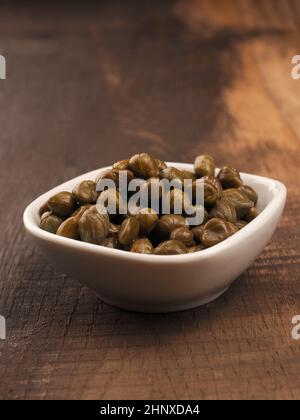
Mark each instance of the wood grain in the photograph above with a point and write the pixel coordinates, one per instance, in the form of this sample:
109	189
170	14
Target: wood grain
94	83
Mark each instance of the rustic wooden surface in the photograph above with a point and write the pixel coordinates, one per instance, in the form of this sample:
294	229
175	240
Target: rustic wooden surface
92	83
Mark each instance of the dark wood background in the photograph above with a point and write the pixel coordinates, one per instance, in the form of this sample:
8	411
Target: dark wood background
96	82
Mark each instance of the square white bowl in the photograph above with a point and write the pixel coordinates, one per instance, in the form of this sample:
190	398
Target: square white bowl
155	283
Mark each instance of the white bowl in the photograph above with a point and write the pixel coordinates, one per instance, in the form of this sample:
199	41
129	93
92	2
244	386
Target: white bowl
155	283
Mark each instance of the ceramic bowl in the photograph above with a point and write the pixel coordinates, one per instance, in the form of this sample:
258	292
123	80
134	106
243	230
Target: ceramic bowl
155	283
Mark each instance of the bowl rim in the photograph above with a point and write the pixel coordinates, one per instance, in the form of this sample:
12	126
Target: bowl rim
277	188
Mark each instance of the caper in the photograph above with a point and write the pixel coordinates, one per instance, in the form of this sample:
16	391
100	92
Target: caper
93	226
172	174
212	189
50	222
148	219
79	212
216	230
85	192
113	230
62	204
198	232
171	247
69	228
230	177
142	246
239	200
204	165
178	200
160	164
122	165
249	192
251	214
168	222
114	175
129	231
240	223
184	235
223	209
153	188
110	242
44	209
195	248
143	165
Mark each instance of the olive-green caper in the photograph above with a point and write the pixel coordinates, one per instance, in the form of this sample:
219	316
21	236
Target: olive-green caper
172	174
168	222
148	219
129	231
239	200
212	189
85	192
184	235
160	164
223	209
143	165
142	246
204	165
44	209
250	193
114	175
50	222
69	228
251	214
110	242
171	247
178	201
195	248
62	204
79	212
93	226
198	232
240	223
216	230
122	165
230	177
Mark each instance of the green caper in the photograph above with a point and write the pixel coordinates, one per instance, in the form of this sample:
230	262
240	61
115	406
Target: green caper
168	222
110	242
69	228
195	248
172	174
85	192
114	175
249	192
62	204
223	209
129	231
198	232
148	219
184	235
44	209
171	247
143	165
212	189
122	165
93	226
142	246
216	230
50	222
204	165
240	224
230	177
251	214
239	200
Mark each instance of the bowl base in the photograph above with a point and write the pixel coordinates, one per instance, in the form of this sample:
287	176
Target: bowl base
165	307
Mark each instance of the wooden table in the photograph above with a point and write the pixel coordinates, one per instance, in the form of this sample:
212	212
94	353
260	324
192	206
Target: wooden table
93	83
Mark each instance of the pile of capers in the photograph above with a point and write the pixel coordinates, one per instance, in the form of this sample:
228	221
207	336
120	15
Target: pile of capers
228	206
